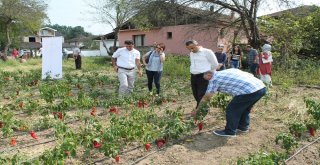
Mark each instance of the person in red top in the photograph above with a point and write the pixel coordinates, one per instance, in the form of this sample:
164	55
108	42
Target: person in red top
14	53
265	64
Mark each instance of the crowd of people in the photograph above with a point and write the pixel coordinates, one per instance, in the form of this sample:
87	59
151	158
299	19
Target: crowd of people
209	75
19	54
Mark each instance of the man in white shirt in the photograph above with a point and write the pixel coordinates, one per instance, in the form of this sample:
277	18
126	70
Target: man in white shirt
201	60
124	61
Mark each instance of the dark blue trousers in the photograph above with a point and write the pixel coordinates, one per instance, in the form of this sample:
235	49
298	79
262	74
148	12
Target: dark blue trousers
238	111
253	69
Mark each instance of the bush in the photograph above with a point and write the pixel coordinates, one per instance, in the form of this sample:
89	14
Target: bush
264	158
177	66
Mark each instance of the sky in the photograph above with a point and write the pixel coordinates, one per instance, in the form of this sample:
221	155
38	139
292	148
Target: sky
75	13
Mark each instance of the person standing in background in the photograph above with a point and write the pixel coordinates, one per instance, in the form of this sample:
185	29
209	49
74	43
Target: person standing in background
201	60
235	57
15	53
252	59
77	57
221	57
265	64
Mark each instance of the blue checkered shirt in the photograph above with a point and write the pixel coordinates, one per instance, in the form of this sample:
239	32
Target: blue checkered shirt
234	82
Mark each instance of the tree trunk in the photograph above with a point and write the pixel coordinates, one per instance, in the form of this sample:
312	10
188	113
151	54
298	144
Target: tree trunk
116	35
105	46
285	54
6	48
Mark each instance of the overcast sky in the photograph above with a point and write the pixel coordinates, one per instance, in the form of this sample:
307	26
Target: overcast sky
74	13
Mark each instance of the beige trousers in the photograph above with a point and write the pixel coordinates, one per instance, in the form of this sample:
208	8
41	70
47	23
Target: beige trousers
126	78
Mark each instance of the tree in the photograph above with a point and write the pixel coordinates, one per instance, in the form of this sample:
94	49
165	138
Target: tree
246	10
286	33
294	33
311	34
70	32
27	14
114	13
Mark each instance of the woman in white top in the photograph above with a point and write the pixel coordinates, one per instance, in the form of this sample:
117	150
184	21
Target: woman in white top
153	60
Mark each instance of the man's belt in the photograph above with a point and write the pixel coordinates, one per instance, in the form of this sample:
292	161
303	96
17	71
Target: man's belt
125	68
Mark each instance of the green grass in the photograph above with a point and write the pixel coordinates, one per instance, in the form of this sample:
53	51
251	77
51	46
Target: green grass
88	64
303	72
177	67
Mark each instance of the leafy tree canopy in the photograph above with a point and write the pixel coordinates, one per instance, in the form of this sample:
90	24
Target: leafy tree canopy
70	32
19	16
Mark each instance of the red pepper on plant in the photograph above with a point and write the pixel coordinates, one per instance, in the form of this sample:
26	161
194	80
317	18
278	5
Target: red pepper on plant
200	126
312	131
33	135
142	103
113	110
96	144
147	146
160	143
67	153
312	126
60	115
93	111
13	142
21	104
117	158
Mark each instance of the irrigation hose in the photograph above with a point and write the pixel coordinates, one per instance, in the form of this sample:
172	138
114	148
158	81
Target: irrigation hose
304	147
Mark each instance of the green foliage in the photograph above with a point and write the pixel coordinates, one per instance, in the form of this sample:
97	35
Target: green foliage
8	121
273	158
287	140
311	32
286	31
70	32
203	110
294	34
15	159
312	123
25	14
173	127
299	72
313	108
158	13
297	129
177	66
220	100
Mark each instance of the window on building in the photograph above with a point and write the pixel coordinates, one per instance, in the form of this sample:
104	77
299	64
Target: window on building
169	35
32	39
138	40
44	32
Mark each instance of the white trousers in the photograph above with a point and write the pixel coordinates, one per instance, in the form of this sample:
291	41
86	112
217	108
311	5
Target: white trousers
126	78
266	79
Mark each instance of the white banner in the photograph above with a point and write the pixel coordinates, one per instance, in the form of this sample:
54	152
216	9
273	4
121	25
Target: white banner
52	57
